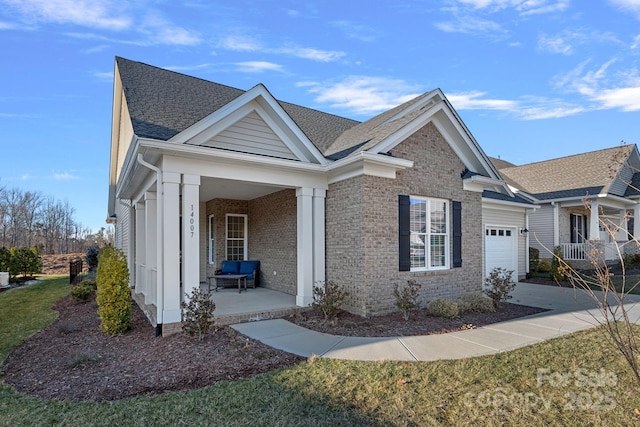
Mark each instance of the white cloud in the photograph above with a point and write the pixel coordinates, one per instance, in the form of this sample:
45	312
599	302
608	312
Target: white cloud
250	44
469	25
90	13
525	108
258	66
625	98
7	26
630	5
525	7
240	43
64	176
474	101
106	76
362	95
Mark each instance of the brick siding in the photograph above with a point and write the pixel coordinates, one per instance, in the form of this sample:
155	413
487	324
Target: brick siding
362	228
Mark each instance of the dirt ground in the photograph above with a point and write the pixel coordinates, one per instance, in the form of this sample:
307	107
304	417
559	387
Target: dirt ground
73	359
59	264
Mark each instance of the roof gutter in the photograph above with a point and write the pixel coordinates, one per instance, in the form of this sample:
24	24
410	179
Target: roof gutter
160	246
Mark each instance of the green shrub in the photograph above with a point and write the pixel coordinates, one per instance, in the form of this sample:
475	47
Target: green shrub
21	261
544	266
113	295
498	285
446	308
197	314
83	291
475	303
534	260
5	259
407	298
558	270
328	298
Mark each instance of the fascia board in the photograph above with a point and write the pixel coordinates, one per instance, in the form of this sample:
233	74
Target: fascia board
118	94
489	201
225	155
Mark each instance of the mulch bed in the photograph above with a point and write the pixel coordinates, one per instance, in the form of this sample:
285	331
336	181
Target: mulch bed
420	322
73	359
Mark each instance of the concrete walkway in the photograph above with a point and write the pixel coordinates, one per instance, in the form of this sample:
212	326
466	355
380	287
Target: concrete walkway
570	311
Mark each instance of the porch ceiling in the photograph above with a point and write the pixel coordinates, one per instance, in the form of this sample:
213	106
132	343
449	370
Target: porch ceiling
216	188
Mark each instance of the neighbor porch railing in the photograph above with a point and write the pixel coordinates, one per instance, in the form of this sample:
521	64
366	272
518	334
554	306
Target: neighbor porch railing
581	251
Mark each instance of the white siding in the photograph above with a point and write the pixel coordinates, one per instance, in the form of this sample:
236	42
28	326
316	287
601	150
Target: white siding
541	229
513	218
251	135
124	230
125	135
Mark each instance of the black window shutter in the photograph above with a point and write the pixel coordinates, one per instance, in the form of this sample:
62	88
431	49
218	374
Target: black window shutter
457	233
404	237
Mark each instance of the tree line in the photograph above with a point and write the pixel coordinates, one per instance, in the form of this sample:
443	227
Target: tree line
31	219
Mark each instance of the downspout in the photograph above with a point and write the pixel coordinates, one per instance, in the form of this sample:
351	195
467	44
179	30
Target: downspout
160	248
526	243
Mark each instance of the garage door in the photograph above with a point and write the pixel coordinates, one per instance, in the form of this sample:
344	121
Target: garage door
500	249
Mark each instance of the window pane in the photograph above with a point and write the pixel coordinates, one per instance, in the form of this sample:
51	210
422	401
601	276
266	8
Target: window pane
418	251
438	251
438	215
418	216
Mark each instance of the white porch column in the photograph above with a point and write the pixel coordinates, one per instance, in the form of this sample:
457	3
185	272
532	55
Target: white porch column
636	221
190	234
319	196
594	221
151	243
556	224
171	312
139	257
621	235
304	197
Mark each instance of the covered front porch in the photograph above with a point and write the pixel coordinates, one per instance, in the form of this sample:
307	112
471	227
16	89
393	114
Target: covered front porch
597	230
189	215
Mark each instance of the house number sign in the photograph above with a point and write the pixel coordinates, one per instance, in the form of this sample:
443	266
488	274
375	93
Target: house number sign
192	221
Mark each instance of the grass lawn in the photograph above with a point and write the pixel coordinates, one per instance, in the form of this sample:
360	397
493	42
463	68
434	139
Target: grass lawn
573	380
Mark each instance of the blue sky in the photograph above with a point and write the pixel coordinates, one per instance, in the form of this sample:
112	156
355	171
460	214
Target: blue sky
531	79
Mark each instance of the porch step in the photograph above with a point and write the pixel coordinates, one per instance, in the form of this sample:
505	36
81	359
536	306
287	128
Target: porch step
255	316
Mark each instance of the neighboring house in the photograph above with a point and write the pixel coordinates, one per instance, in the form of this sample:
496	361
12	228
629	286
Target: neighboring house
202	173
580	197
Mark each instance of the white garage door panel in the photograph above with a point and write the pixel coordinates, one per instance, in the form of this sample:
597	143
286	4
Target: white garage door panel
500	249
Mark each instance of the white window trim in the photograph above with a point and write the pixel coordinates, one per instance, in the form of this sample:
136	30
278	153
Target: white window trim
246	234
447	234
212	245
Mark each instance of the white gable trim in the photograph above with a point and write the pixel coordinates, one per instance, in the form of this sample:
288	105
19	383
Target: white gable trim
259	100
443	117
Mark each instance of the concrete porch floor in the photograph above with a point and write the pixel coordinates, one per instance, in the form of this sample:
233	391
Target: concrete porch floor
250	305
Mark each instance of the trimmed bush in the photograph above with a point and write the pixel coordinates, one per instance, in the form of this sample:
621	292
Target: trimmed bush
475	303
544	266
534	260
328	298
197	314
407	298
446	308
83	291
113	295
558	271
498	285
20	261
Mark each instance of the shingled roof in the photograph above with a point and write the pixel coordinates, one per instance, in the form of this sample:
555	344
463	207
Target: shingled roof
163	103
573	176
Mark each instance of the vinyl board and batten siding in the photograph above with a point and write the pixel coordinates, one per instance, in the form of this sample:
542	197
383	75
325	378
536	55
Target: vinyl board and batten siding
252	135
541	229
512	219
